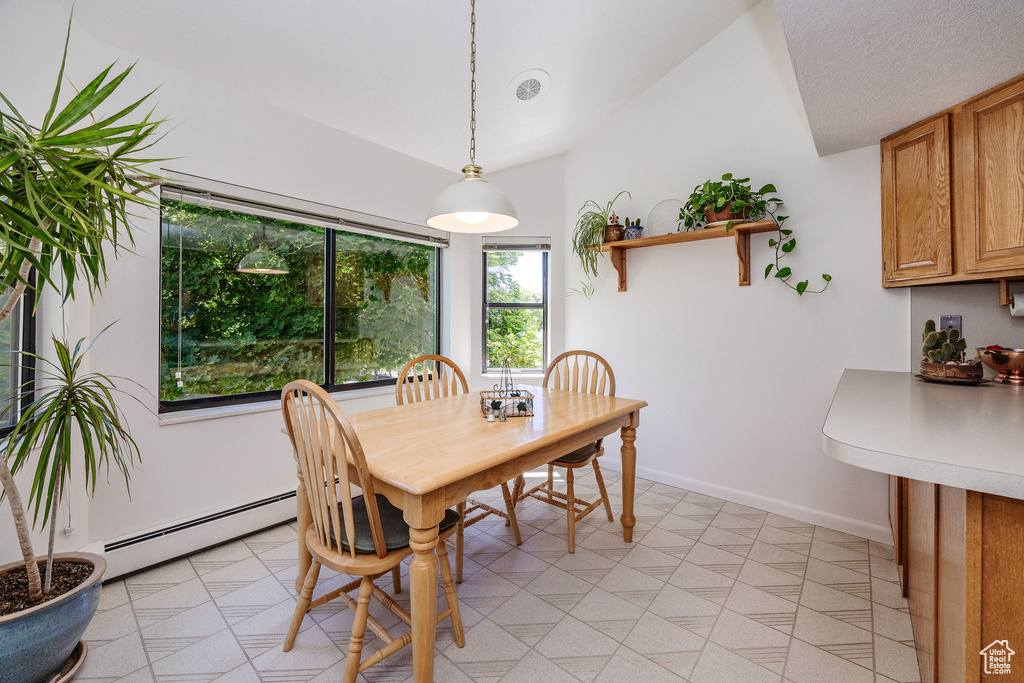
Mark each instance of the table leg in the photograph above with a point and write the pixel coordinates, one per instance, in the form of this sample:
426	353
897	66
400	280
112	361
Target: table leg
423	594
304	517
629	475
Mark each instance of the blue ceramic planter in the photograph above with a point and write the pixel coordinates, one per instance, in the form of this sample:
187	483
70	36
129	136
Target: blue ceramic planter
35	643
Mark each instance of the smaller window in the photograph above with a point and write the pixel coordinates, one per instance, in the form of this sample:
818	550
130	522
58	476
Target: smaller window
515	307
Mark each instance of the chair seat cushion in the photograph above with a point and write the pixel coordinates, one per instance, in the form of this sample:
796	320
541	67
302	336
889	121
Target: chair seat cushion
396	531
578	455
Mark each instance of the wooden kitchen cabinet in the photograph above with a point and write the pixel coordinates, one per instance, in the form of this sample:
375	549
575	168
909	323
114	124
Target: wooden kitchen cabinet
917	240
967	578
953	193
922	529
990	177
898	524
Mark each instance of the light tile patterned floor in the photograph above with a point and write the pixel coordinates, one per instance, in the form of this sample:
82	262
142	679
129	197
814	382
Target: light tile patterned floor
710	591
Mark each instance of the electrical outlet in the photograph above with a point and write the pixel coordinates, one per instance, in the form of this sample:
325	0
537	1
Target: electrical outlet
69	531
951	322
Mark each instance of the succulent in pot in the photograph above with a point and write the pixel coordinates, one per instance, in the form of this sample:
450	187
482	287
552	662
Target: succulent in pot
633	230
943	356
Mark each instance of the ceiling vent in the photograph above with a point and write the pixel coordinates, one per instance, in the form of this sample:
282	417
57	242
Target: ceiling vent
530	85
528	89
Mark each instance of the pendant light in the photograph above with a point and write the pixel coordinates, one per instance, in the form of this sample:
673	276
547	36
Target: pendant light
262	261
472	204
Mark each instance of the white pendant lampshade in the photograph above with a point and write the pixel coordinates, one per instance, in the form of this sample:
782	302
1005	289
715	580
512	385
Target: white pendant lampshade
472	205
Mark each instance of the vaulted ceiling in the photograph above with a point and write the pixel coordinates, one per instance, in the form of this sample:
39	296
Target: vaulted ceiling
396	72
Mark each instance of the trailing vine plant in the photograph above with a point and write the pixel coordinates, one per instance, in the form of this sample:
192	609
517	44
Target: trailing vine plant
736	196
784	244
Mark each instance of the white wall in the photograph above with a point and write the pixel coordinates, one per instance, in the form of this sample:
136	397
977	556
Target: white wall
739	379
538	192
194	468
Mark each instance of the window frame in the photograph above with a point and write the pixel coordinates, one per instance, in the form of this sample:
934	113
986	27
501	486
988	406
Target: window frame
542	306
330	245
27	364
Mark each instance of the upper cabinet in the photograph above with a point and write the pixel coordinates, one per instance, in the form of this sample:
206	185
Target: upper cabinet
916	209
953	193
990	177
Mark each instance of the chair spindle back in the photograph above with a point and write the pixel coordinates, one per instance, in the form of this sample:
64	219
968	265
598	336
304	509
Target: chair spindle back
323	437
429	377
583	371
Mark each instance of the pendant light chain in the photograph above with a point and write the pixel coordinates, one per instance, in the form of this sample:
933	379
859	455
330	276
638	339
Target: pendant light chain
472	81
471	205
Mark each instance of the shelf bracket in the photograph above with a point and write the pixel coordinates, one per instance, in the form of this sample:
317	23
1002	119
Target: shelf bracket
618	256
743	252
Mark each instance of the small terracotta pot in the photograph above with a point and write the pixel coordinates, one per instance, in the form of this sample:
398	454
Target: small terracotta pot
613	232
726	214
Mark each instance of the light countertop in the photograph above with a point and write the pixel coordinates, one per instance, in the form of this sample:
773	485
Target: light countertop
963	436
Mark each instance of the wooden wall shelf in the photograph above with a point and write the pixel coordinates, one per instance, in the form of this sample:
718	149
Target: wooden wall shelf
741	232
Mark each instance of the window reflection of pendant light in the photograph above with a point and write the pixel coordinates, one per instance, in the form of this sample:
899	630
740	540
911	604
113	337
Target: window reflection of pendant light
472	204
262	261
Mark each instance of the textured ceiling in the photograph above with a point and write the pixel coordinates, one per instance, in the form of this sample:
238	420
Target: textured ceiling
867	68
396	72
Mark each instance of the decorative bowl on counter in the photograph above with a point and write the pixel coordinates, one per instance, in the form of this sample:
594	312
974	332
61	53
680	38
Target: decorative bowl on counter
1009	363
954	373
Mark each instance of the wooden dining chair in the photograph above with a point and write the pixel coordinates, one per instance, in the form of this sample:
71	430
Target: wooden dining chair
363	536
429	377
587	372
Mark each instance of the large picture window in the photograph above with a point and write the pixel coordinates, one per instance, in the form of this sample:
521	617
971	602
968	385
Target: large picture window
515	306
250	302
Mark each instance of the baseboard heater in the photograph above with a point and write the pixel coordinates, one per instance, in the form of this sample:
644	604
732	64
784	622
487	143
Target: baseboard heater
155	546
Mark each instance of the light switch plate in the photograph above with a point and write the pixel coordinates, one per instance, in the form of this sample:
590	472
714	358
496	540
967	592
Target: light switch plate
951	322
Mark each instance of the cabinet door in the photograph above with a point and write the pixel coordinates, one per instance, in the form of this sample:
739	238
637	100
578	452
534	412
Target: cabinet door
898	522
990	180
922	553
916	210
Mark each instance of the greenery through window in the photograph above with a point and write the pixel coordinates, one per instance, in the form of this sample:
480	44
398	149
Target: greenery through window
515	308
230	336
16	369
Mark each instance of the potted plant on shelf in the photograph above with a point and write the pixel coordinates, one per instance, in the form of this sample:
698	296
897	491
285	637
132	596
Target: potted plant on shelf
943	357
732	201
633	230
68	188
589	235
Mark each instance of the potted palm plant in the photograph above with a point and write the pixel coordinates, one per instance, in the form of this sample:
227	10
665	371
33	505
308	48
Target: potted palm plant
67	189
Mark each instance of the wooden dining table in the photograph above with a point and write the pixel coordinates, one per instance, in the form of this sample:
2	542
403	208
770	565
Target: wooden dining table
429	456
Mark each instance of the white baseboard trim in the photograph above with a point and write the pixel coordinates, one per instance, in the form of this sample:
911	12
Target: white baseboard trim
874	532
128	555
